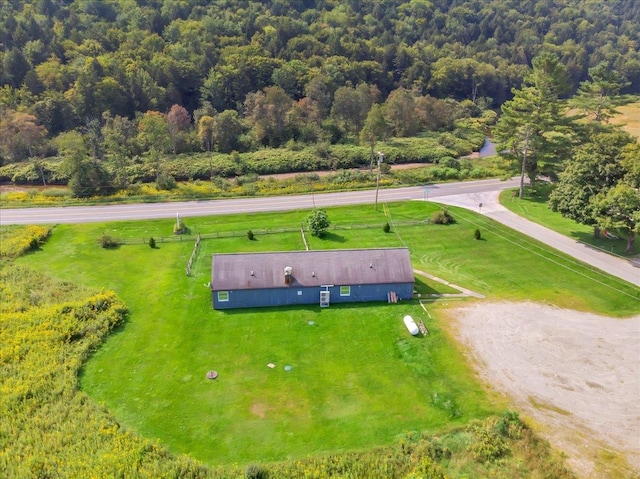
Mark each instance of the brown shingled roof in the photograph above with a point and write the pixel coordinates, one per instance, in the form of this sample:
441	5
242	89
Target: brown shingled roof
311	268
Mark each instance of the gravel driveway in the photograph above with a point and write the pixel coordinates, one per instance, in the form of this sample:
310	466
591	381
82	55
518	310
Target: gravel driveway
576	375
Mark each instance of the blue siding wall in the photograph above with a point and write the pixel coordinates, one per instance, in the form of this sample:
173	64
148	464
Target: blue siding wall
251	298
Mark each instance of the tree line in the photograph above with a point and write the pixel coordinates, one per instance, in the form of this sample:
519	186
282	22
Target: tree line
596	166
71	64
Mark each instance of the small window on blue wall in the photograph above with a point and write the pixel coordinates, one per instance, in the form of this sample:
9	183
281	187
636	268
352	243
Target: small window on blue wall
223	296
345	290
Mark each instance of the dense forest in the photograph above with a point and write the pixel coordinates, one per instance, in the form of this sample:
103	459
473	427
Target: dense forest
150	77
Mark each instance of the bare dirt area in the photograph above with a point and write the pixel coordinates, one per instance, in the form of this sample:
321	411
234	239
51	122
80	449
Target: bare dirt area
574	376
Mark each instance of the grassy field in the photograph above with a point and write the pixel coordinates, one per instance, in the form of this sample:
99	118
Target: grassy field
533	206
629	118
357	378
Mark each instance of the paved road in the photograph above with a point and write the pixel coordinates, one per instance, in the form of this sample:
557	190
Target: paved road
627	269
465	194
89	214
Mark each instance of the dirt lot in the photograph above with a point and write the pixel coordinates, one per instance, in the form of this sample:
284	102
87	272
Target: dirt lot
575	377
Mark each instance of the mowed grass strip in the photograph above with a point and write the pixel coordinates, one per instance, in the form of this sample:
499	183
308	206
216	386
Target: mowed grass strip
357	378
534	207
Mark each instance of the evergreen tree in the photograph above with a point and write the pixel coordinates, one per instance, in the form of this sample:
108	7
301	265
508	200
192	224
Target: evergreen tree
599	97
533	131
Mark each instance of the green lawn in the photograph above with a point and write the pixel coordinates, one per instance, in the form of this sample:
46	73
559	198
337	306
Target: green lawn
533	206
357	379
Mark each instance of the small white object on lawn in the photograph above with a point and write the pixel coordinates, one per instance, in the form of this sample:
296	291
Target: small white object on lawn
271	365
411	325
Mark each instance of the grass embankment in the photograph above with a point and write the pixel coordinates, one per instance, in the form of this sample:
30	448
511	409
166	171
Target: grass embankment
357	380
534	207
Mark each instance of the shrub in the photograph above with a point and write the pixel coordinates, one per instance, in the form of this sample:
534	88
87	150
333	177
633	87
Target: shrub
254	471
152	242
488	444
107	241
476	234
250	235
386	228
318	222
427	468
442	217
166	182
322	150
449	162
510	426
179	227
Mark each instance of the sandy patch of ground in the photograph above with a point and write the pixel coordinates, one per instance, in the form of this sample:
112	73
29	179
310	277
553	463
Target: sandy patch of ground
259	409
576	375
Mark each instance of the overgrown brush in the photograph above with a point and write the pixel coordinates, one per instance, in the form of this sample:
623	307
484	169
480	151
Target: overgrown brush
49	428
17	240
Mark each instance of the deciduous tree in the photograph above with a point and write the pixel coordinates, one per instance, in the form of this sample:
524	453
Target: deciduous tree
86	177
375	128
267	112
178	122
205	131
351	105
20	135
618	209
119	135
153	134
318	222
227	128
595	166
400	112
305	119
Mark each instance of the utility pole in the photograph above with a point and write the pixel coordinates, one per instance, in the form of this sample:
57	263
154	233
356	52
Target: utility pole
380	156
524	160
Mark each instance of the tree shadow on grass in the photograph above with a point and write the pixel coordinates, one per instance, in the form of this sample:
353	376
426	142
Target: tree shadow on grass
333	237
606	245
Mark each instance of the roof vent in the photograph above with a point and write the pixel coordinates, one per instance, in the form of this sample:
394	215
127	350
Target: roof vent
313	273
253	273
370	265
287	274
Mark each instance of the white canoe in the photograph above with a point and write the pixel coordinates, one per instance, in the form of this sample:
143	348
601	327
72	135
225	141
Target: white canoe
411	325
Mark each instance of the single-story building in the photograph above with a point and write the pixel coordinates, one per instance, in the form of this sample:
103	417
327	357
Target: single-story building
247	280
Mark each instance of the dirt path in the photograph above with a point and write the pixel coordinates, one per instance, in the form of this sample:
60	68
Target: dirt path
575	375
